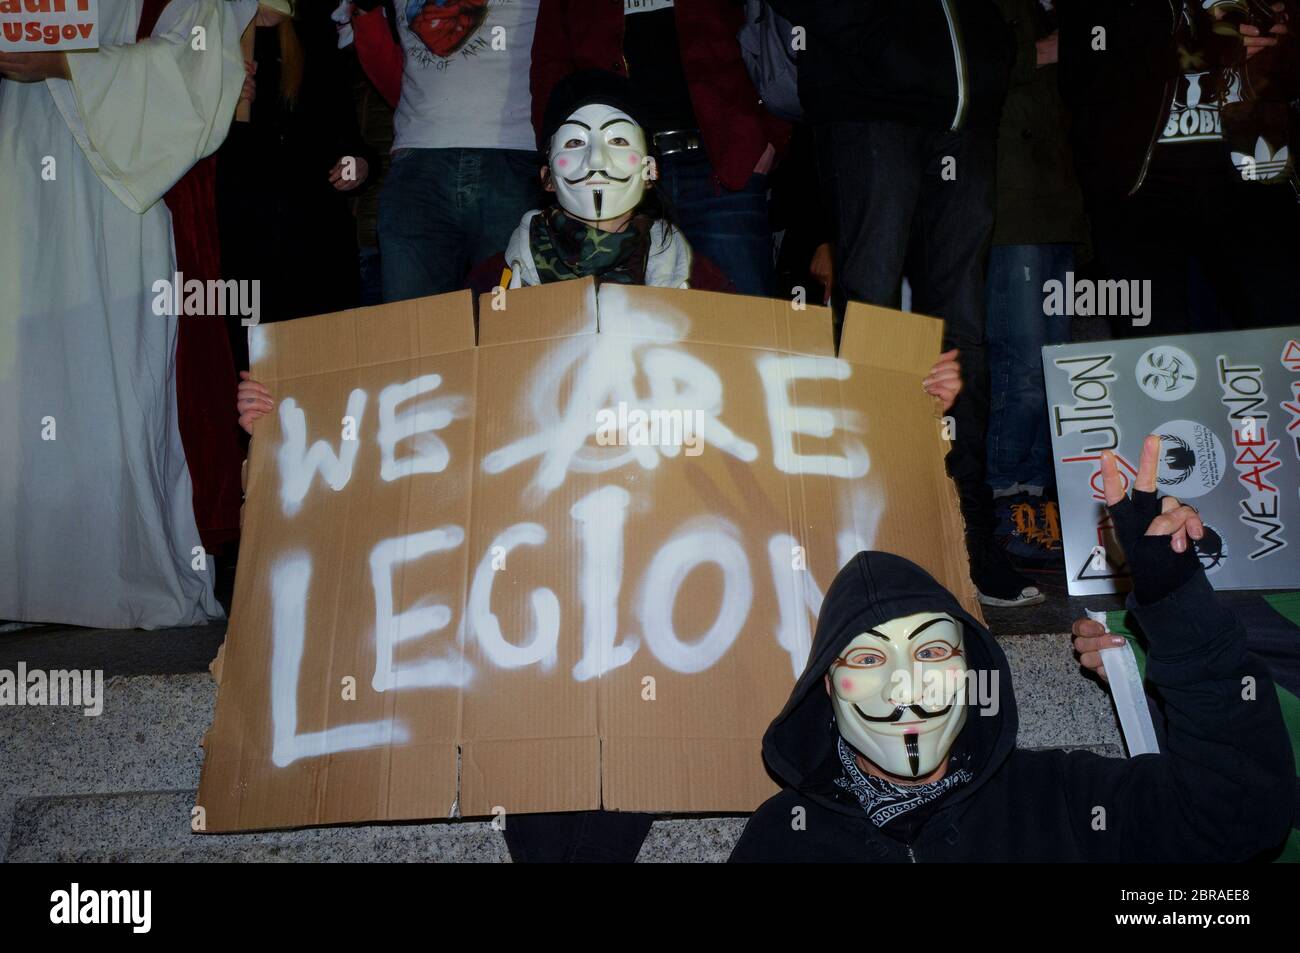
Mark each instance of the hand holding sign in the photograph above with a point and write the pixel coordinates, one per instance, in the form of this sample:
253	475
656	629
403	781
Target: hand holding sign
1158	569
252	400
944	379
1090	637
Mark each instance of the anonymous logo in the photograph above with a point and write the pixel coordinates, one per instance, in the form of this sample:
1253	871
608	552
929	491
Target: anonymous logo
1166	372
1191	459
1211	550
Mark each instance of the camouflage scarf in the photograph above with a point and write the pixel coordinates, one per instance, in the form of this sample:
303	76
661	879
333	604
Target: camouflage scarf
565	248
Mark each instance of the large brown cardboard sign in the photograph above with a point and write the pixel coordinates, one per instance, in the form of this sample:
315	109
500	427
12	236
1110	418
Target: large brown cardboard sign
575	565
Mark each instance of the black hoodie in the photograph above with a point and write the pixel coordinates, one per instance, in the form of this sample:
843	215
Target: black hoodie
1221	791
942	64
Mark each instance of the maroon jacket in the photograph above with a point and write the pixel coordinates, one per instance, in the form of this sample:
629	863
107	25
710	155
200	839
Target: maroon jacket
575	35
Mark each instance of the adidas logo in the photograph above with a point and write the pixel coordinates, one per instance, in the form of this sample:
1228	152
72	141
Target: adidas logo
1265	164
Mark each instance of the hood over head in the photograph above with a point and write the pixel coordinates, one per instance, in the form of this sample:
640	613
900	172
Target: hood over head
873	588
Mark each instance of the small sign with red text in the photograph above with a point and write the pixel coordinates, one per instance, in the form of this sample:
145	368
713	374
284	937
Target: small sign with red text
31	26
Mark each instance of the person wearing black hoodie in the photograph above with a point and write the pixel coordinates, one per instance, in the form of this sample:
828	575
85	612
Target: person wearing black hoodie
1221	791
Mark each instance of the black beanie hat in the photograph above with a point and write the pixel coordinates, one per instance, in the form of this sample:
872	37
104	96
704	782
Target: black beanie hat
582	89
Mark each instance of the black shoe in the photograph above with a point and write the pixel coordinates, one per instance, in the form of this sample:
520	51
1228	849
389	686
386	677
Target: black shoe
1029	530
996	579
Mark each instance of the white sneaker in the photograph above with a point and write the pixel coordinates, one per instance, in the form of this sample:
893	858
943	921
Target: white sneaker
1029	596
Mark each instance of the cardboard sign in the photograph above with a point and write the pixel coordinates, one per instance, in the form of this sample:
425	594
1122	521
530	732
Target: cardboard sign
1227	407
575	565
31	26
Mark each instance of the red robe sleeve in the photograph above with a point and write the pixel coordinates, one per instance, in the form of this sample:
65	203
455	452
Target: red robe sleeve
379	54
552	56
205	366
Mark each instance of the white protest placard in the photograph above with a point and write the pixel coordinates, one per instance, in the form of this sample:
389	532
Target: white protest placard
32	26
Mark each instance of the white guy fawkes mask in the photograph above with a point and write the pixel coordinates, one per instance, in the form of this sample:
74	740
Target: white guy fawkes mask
899	692
597	159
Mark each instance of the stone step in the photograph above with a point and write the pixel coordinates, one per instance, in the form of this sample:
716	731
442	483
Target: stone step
155	826
147	739
121	785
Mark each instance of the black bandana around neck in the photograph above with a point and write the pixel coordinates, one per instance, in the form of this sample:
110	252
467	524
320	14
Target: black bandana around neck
883	800
565	248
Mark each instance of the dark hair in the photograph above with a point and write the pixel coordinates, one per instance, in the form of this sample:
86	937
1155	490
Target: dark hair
582	89
586	87
657	205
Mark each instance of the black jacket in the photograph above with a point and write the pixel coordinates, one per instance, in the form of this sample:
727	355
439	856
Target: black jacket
1118	67
1039	201
939	63
282	222
1221	791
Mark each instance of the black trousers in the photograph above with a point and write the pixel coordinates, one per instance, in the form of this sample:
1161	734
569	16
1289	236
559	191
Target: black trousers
917	202
576	837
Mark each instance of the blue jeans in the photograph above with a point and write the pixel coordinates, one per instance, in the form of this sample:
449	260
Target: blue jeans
372	281
729	228
442	211
1019	443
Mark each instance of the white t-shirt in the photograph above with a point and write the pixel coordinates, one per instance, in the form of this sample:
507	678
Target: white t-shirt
465	85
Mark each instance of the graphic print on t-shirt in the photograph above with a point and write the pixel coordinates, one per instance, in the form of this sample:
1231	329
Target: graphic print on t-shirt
645	6
1203	89
445	25
465	74
1194	113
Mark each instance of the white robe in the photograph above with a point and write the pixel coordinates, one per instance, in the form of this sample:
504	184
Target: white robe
96	518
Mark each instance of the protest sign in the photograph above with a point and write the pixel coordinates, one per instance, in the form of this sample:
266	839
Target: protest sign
575	563
30	26
1227	409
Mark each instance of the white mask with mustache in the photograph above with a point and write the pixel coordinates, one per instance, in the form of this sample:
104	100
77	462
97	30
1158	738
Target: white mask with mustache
598	163
898	691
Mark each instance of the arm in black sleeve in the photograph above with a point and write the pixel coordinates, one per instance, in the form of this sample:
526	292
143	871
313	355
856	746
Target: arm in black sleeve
331	103
1019	17
770	838
1223	788
1107	48
837	22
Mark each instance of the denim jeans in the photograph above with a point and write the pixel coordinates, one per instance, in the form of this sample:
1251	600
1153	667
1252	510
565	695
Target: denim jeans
1019	442
442	211
729	228
372	281
919	202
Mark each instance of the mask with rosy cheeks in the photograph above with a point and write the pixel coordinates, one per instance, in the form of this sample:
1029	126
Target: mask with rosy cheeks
898	692
596	160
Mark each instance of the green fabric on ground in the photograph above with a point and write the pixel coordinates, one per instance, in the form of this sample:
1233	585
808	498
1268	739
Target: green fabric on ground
1287	605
